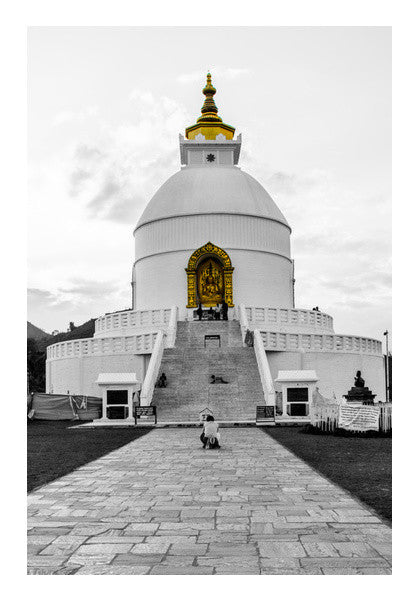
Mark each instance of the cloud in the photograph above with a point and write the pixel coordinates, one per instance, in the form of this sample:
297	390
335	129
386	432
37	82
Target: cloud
341	244
115	172
46	300
216	72
79	300
68	116
83	289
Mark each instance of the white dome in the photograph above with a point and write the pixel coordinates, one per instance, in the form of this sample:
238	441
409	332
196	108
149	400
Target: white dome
209	190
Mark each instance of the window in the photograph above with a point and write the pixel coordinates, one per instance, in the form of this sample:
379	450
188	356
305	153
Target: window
297	402
117	396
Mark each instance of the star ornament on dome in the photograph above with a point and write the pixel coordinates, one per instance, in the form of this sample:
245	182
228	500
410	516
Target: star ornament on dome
210	157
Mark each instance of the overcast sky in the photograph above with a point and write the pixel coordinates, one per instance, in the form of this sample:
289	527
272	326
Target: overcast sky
106	106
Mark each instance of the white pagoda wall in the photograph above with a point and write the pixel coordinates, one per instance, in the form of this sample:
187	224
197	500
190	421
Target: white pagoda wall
259	249
77	375
258	278
335	371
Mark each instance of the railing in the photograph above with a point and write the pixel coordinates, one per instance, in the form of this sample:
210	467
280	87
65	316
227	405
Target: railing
129	319
260	354
285	319
325	417
172	327
264	370
153	370
385	420
134	344
243	321
315	342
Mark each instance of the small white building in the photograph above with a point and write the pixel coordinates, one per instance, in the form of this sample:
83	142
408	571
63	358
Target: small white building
212	234
117	396
296	389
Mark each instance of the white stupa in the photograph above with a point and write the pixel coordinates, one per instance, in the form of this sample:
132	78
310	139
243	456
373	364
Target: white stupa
213	234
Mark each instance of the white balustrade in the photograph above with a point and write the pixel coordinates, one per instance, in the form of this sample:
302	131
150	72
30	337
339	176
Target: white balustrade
310	342
135	344
153	370
131	319
289	318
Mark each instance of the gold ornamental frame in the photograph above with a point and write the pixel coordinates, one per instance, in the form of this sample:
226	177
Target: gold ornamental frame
206	251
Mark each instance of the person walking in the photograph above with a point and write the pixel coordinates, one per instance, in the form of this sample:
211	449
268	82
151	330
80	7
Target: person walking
217	313
200	311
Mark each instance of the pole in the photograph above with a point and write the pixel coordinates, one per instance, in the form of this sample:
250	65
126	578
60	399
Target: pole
386	334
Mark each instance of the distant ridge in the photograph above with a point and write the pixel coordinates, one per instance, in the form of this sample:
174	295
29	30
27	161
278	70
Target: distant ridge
36	333
39	340
85	330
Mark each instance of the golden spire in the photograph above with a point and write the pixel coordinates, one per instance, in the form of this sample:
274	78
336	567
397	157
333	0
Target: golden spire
209	109
210	123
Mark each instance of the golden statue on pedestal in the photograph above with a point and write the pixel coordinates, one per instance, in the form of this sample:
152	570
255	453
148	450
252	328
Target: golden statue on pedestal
210	282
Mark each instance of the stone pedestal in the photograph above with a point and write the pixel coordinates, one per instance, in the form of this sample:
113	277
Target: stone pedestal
360	395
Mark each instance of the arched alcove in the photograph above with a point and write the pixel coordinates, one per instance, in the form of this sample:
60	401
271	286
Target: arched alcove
209	277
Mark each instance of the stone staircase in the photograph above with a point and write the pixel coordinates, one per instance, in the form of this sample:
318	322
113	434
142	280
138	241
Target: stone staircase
188	368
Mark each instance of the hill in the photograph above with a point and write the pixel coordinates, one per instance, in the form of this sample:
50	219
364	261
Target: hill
38	341
35	333
85	330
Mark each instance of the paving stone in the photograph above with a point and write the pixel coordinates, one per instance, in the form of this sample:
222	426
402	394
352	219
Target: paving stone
114	570
355	549
44	570
383	549
287	571
280	563
90	560
45	561
153	546
141	528
103	549
42	540
160	505
63	546
138	559
320	549
179	561
122	539
175	570
236	570
343	562
355	571
191	549
278	548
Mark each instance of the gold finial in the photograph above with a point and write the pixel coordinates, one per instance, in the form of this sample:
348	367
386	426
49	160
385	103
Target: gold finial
210	123
209	109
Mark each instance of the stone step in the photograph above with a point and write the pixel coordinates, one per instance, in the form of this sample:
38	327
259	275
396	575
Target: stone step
188	367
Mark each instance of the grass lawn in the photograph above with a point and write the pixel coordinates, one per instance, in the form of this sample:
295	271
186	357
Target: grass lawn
362	466
56	448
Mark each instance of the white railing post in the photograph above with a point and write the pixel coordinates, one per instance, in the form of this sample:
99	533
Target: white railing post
172	327
264	370
153	370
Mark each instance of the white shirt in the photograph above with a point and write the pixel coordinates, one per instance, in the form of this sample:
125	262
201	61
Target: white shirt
211	428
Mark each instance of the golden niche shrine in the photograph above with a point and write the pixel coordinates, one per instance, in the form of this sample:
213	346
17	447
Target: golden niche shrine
209	277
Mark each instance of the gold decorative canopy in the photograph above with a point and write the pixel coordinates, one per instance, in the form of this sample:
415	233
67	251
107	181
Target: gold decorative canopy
210	123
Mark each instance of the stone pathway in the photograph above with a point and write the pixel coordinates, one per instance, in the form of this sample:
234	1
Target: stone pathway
161	505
